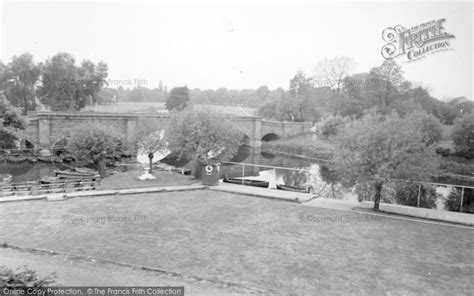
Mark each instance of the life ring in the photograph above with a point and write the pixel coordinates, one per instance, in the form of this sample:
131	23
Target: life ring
209	169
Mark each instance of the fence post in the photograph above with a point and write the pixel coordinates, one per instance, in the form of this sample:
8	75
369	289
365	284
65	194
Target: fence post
419	196
243	173
462	199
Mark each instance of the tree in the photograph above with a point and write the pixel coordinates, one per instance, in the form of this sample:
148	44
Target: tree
332	72
385	83
178	99
377	148
68	87
463	136
93	141
19	79
11	122
148	138
199	136
91	80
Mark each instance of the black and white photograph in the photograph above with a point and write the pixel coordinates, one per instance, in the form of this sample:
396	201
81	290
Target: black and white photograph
236	147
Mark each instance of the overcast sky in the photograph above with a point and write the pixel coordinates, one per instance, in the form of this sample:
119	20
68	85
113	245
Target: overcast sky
210	45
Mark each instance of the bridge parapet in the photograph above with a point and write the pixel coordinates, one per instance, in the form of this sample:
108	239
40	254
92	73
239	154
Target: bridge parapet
50	126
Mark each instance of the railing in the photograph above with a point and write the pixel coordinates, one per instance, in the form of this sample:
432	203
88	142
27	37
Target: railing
419	183
56	186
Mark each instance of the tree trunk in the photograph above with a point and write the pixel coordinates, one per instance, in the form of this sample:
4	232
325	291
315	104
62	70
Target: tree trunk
25	104
150	157
195	168
101	168
378	194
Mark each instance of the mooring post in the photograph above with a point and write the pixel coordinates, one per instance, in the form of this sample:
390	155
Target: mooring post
419	195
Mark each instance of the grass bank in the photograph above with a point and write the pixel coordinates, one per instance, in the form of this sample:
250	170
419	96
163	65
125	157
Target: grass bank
127	180
309	144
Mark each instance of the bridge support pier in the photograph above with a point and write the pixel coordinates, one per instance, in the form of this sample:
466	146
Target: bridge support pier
44	131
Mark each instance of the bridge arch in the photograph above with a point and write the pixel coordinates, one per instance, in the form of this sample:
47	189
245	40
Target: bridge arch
270	137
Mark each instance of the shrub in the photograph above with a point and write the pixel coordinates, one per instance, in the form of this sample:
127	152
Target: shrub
453	202
331	126
23	277
463	136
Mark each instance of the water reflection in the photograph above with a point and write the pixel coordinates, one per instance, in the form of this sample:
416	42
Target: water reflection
26	171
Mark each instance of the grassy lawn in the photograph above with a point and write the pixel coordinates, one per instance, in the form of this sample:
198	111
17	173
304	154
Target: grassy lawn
130	179
289	248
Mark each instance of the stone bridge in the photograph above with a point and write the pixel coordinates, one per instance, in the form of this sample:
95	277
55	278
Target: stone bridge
47	127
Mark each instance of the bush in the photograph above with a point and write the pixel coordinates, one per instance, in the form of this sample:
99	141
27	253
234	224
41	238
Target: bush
443	151
331	126
23	277
407	194
431	128
453	202
463	136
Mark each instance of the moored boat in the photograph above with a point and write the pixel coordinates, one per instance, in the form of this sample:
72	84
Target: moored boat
76	175
248	182
293	188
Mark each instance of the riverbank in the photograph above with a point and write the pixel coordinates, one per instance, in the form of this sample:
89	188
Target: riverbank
304	145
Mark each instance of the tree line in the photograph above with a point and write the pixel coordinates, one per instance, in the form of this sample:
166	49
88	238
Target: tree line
59	83
332	91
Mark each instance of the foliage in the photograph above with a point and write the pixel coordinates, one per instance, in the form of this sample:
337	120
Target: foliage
332	72
66	86
453	202
23	277
11	122
457	167
379	147
148	138
93	141
331	126
302	102
463	136
178	99
430	127
198	135
18	80
407	194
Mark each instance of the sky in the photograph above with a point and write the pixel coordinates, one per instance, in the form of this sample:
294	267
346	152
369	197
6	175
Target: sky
235	45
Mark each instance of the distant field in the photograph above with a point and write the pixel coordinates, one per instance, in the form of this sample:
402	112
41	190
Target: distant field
142	107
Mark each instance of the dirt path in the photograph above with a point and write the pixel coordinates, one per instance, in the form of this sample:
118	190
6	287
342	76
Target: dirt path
73	272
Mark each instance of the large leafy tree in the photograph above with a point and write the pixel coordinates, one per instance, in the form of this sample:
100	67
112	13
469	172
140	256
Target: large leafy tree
377	148
463	136
148	138
66	86
199	136
18	79
178	99
92	141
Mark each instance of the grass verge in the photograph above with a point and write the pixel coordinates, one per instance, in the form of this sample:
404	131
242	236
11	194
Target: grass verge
127	180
